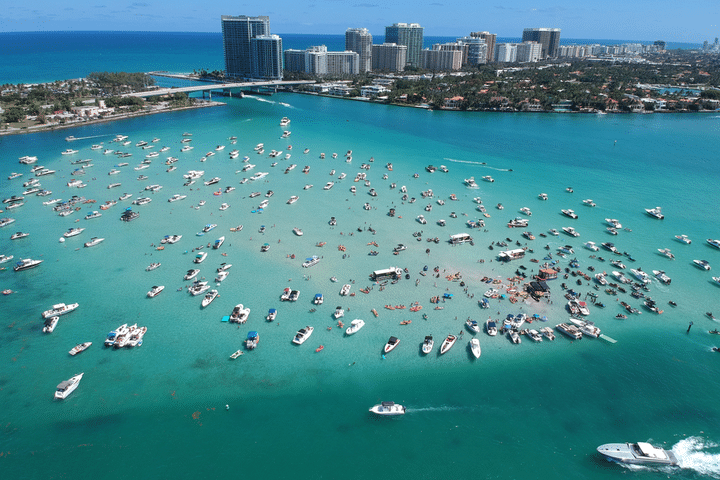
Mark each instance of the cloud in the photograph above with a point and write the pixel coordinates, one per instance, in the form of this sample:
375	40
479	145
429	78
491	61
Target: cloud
139	5
365	5
502	7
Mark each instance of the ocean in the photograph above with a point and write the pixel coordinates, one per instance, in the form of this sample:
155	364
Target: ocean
35	57
179	407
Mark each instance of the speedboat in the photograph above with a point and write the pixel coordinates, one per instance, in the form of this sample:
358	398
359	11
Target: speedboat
200	257
640	275
488	178
218	243
514	337
610	247
191	274
475	347
587	328
345	289
427	344
6	258
302	335
80	347
18	235
65	388
339	312
554	232
253	338
26	264
655	213
713	243
221	276
421	219
209	297
292	200
272	315
355	325
297	231
472	325
388	408
491	327
589	202
526	211
591	246
318	300
391	344
328	185
703	264
543	196
684	239
155	291
93	241
470	182
569	213
50	324
448	343
547	333
152	266
639	453
198	288
309	262
614	223
534	335
176	197
666	252
59	309
570	231
72	232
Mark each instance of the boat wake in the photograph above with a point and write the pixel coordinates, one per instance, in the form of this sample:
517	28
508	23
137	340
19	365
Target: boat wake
482	164
260	99
433	409
286	105
694	454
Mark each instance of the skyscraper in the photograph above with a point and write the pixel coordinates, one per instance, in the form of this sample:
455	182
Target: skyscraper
389	57
237	33
549	38
410	35
266	57
359	40
490	39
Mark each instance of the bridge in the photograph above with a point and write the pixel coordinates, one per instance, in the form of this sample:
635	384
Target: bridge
225	87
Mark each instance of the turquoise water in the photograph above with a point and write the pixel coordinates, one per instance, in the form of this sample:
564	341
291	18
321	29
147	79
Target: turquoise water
520	411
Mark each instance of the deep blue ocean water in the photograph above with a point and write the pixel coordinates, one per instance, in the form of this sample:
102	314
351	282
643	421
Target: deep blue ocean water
31	57
520	411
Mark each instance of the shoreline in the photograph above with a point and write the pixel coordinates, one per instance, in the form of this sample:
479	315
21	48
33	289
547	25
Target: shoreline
53	127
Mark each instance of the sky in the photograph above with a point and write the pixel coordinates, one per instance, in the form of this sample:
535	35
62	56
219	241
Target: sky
691	21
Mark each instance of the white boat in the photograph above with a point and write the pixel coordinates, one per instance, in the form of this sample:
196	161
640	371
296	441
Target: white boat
152	266
589	202
72	232
472	325
198	288
391	344
587	328
59	309
655	213
703	264
311	261
640	275
221	276
302	335
591	246
547	333
292	200
80	347
26	264
488	178
427	344
553	232
218	243
155	291
176	197
569	213
236	354
200	257
526	211
491	327
18	235
569	330
388	408
421	219
570	231
683	239
65	388
613	223
209	297
50	324
297	231
448	343
355	325
328	185
639	453
475	347
470	182
69	151
339	312
6	258
662	276
93	241
345	290
191	274
666	252
714	243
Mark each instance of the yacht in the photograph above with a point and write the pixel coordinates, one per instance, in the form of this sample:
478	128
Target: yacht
621	277
703	264
65	388
59	309
639	453
80	347
655	213
355	325
285	121
587	328
491	327
470	182
569	330
69	151
472	325
302	335
209	297
613	223
345	290
50	324
391	344
198	287
72	232
93	241
311	261
339	312
591	246
176	197
713	243
388	408
209	227
328	185
610	247
666	252
297	231
475	347
526	211
660	275
155	290
570	231
26	264
221	276
200	257
6	258
421	219
292	200
4	222
554	232
518	222
683	239
640	275
212	181
153	266
237	315
18	235
534	335
600	278
488	178
142	201
218	243
569	213
427	344
448	343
